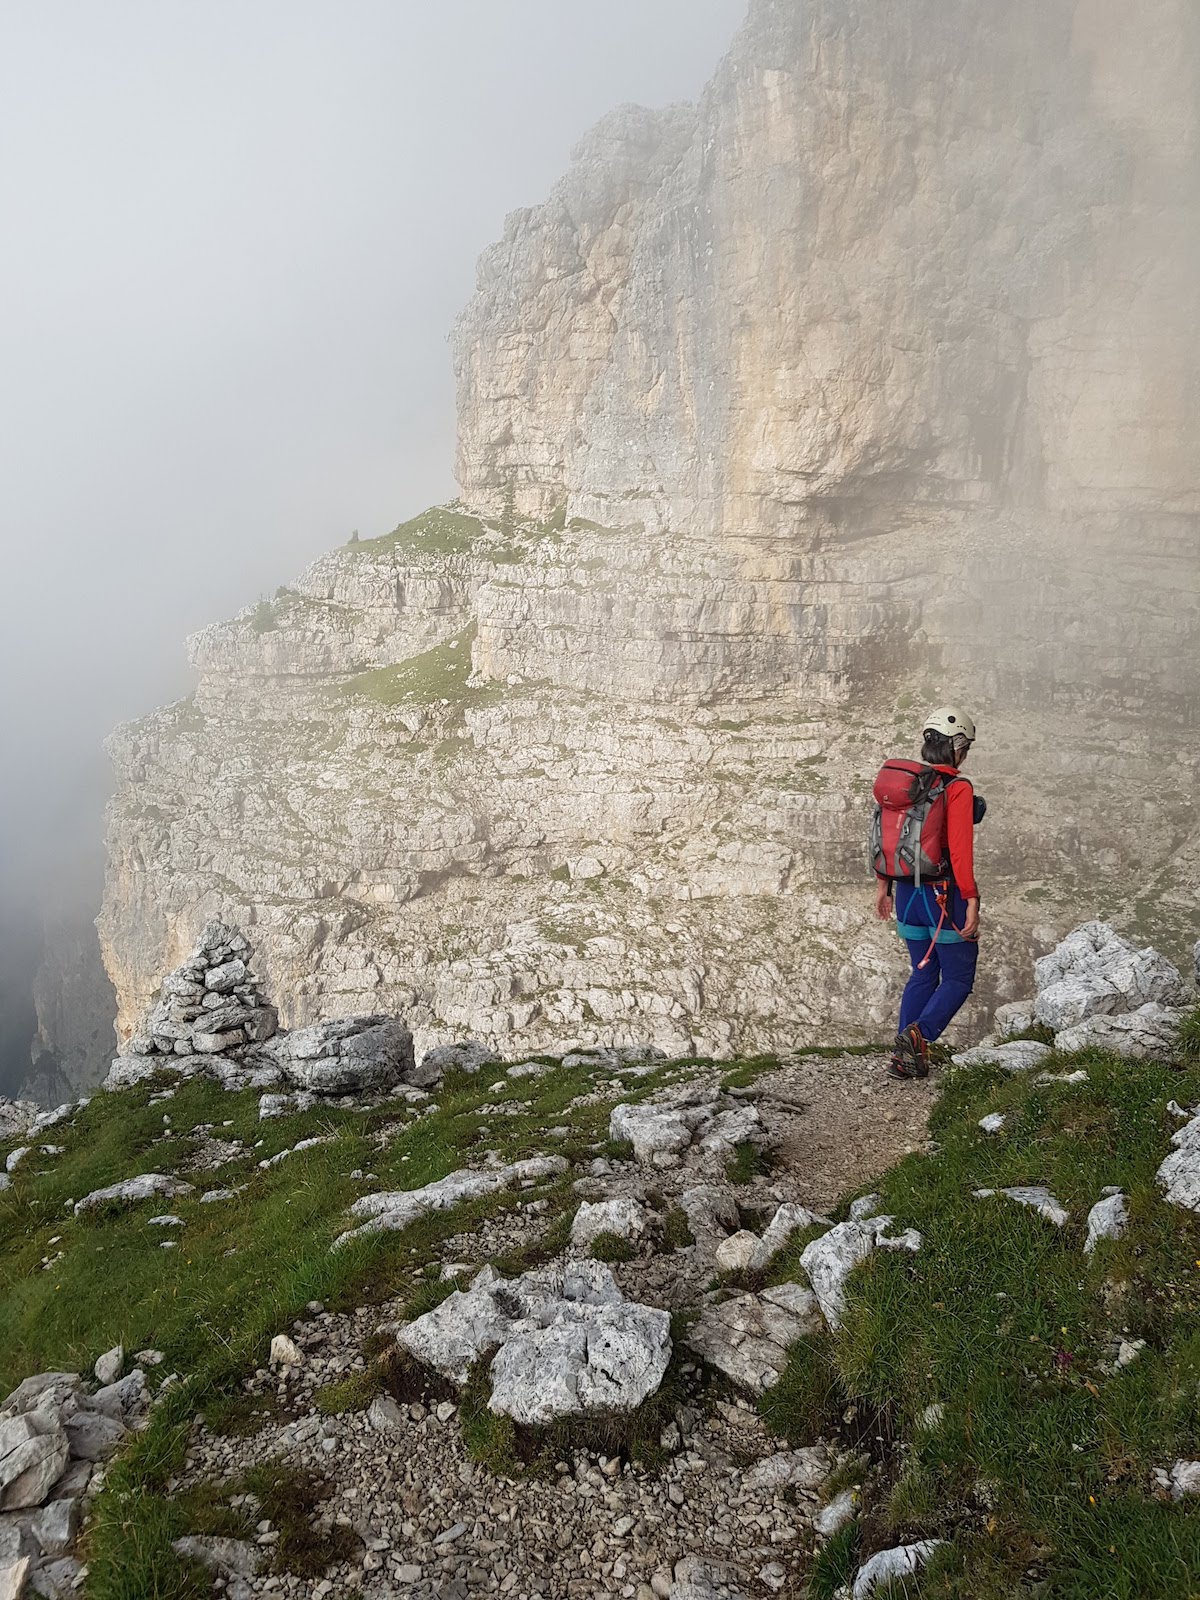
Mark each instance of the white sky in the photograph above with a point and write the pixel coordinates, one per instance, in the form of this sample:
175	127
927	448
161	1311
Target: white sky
233	237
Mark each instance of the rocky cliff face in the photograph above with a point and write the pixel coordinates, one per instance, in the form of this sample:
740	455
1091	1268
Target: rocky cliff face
869	381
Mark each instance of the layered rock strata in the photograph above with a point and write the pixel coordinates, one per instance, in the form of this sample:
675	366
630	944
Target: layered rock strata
862	384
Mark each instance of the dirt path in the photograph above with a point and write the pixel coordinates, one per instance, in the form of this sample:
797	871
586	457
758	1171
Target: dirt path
838	1125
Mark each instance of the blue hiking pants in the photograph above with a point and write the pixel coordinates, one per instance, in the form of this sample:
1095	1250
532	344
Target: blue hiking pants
935	993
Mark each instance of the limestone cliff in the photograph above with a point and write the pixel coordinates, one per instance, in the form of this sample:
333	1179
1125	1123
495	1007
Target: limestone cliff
868	381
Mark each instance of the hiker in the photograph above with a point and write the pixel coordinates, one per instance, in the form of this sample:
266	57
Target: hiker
923	853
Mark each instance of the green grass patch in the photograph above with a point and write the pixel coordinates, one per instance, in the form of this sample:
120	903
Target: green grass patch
243	1269
677	1230
1040	1472
611	1247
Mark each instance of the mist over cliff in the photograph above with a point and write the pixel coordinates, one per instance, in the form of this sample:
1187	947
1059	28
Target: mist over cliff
866	382
237	238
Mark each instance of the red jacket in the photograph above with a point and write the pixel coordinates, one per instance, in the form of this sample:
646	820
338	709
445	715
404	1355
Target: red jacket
960	832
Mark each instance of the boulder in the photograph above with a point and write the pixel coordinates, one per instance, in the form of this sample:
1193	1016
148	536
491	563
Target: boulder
566	1342
355	1055
700	1126
745	1251
16	1117
1151	1030
55	1526
1016	1017
832	1518
33	1452
748	1337
711	1211
705	1579
1179	1174
1094	971
468	1055
130	1190
623	1216
1034	1196
588	1358
1184	1479
13	1578
59	1580
224	1557
1018	1055
831	1259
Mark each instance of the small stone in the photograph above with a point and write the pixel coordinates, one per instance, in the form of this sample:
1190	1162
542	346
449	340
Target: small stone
284	1352
108	1366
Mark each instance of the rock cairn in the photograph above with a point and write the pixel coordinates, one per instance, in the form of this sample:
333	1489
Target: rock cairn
211	1005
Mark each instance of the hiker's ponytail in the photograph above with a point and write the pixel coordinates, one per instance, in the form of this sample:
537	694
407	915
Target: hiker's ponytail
938	749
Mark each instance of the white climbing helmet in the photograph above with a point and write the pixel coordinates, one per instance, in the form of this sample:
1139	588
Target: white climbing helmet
953	721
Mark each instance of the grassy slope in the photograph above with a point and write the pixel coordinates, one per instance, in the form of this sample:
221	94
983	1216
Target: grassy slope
1038	1474
242	1269
1039	1471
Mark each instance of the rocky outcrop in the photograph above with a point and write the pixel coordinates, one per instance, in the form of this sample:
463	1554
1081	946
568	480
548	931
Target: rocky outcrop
557	1343
54	1432
865	381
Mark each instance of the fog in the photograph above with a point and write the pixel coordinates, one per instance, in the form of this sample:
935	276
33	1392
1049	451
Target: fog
235	238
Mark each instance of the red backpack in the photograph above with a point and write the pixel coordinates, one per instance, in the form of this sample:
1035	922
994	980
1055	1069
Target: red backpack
908	830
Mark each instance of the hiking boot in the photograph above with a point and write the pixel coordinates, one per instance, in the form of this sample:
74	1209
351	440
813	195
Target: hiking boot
911	1058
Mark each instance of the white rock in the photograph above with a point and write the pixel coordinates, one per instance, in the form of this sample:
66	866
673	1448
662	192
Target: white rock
622	1216
131	1190
284	1352
589	1358
285	1105
1108	1219
653	1131
396	1209
1095	971
1016	1017
384	1415
697	1579
13	1578
568	1342
867	1205
350	1055
1179	1174
1185	1479
108	1366
806	1468
1151	1030
1019	1055
889	1565
993	1122
739	1252
33	1453
711	1211
1079	1076
833	1517
225	1557
831	1259
15	1157
1035	1196
55	1526
748	1337
469	1055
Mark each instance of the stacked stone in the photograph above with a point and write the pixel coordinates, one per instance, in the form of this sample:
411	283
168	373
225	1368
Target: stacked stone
210	1005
